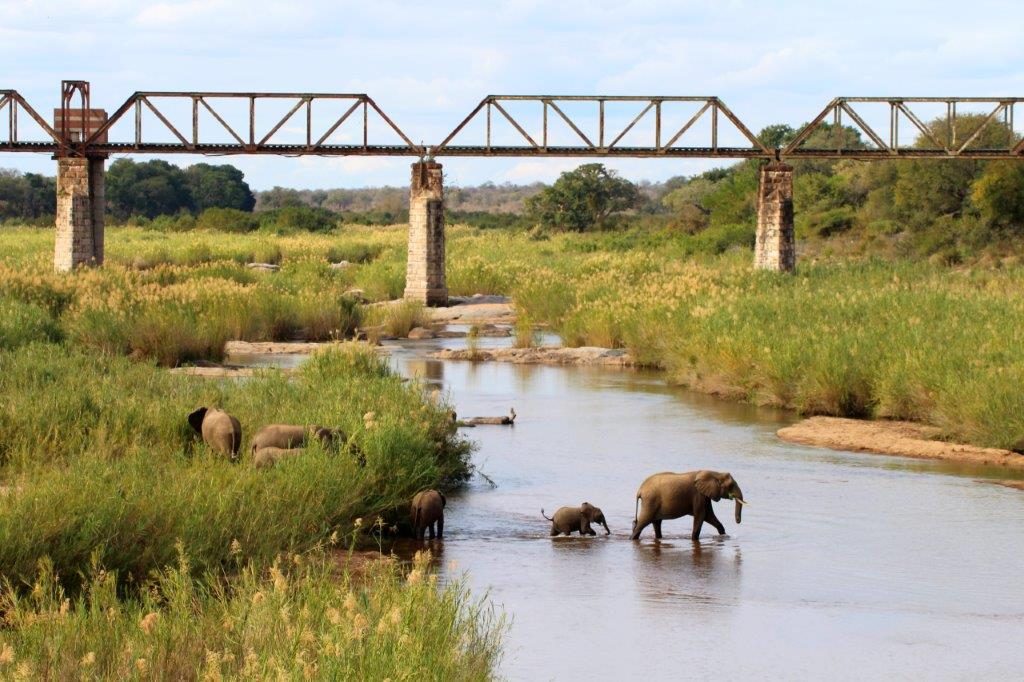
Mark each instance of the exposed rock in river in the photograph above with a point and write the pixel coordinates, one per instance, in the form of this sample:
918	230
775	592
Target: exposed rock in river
544	355
904	439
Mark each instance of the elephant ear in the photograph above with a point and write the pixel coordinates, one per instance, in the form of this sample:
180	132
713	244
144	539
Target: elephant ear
708	485
196	419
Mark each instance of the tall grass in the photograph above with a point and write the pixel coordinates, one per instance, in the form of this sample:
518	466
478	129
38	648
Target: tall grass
133	482
298	620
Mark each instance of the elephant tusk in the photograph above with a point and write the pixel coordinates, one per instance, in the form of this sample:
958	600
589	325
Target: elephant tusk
741	501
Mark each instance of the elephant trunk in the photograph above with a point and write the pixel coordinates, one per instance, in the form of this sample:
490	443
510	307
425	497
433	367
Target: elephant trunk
607	531
738	497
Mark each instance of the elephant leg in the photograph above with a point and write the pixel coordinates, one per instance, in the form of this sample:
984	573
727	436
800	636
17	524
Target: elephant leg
555	531
420	532
430	527
709	516
698	522
657	529
440	528
642	522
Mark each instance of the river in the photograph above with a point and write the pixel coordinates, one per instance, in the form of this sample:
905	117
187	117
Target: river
846	566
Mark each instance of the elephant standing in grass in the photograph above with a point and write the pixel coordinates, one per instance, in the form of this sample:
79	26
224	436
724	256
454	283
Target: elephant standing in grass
286	436
669	496
220	431
568	520
428	511
264	458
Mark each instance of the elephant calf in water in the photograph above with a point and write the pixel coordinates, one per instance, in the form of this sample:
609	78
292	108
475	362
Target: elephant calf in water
427	511
220	431
571	519
669	496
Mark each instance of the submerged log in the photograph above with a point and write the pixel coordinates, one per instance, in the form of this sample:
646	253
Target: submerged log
497	421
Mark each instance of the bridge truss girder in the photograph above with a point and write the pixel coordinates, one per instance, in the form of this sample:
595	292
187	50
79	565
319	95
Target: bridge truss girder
606	143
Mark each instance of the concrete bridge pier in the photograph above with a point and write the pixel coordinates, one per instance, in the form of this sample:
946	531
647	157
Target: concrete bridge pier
775	245
80	208
424	274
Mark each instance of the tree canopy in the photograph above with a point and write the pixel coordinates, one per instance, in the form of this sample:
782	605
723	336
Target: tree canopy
583	199
153	188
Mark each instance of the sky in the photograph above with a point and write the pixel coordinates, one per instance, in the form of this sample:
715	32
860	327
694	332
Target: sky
428	64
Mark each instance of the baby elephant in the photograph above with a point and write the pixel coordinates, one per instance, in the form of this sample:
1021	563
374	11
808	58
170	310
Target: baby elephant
569	519
287	436
264	458
220	431
427	510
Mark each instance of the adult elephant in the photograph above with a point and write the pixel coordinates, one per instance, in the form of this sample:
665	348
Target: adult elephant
670	496
220	431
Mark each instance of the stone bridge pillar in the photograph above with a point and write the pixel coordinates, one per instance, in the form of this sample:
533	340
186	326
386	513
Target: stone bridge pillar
775	246
424	274
80	208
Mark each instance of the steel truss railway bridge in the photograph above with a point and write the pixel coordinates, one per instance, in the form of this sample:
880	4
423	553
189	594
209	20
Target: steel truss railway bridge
81	138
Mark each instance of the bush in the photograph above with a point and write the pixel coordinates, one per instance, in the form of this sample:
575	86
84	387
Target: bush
227	220
293	218
832	221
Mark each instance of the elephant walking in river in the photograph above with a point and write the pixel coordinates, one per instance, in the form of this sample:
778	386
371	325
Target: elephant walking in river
569	520
670	496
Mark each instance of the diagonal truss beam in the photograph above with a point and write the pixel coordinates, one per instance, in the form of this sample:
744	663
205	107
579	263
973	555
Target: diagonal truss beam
902	107
602	148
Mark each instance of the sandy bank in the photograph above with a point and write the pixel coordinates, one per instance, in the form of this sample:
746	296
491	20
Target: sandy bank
226	371
474	310
904	439
544	355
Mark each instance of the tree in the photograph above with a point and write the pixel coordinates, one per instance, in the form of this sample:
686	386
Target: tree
999	195
218	187
583	199
147	189
27	196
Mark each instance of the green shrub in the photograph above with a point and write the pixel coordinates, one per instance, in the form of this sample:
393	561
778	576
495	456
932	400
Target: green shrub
227	220
291	218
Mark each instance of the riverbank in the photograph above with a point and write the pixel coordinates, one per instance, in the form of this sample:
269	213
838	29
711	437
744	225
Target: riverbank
904	439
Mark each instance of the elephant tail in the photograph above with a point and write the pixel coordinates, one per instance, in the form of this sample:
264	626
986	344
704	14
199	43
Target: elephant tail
545	515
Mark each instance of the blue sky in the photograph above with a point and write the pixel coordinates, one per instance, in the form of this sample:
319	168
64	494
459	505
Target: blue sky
427	64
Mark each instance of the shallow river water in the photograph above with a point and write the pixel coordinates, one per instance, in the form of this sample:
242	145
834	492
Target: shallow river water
846	566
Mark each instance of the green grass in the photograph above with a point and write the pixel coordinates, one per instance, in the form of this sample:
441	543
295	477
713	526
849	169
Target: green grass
102	464
301	619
